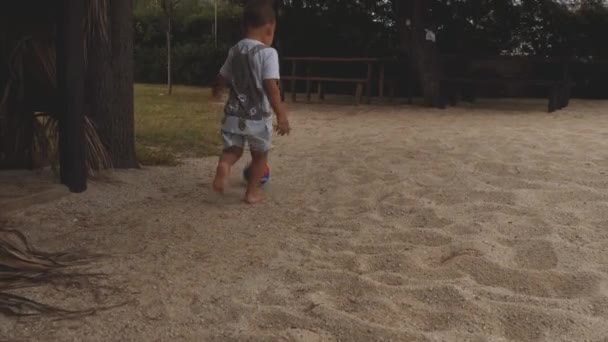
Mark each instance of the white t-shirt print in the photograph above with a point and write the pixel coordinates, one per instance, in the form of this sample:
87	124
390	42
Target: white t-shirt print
248	109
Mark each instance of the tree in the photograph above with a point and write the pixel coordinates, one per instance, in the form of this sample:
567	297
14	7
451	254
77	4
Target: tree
168	8
418	43
122	126
110	82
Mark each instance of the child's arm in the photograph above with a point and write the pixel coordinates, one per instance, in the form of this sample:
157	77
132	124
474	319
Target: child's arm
218	87
271	76
222	78
271	86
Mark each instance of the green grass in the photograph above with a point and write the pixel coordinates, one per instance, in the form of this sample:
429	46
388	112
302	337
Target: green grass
167	128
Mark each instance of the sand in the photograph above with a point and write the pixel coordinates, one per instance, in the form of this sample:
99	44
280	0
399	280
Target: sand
383	223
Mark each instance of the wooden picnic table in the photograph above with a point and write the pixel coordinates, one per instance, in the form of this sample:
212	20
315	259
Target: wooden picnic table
558	87
361	82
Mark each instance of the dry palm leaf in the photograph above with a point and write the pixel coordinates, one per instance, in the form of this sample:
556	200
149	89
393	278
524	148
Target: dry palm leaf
96	24
46	140
12	305
98	157
97	21
13	242
22	266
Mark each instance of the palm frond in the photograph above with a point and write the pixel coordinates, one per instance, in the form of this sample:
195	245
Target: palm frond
98	157
15	72
46	142
97	19
22	266
13	305
96	24
45	54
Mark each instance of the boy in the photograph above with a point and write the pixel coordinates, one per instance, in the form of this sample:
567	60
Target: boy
251	72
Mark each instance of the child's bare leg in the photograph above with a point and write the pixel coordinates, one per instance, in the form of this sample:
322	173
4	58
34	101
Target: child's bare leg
229	157
258	164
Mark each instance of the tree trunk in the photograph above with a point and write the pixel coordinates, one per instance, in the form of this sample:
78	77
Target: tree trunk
110	84
100	84
278	38
422	53
16	120
71	83
16	137
169	82
121	124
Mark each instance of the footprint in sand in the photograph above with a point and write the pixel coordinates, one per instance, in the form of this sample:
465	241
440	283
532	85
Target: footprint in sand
463	196
511	183
430	174
472	228
392	262
522	172
303	335
389	267
532	324
420	237
541	284
521	227
536	254
425	218
496	169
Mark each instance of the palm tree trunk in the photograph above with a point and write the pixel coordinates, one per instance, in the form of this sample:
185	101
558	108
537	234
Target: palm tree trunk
122	122
110	84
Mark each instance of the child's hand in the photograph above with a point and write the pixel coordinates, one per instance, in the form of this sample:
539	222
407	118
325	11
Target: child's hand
216	94
282	126
216	90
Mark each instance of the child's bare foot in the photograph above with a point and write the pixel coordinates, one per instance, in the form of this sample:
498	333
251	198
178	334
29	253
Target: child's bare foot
254	197
222	173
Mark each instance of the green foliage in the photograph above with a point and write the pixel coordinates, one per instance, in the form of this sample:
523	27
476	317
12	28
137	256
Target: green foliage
368	28
536	27
196	59
341	28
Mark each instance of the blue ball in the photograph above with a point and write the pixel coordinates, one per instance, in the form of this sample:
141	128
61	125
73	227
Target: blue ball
264	179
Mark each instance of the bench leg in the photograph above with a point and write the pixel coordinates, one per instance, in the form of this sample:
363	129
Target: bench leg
320	92
282	86
565	96
293	91
561	103
391	92
381	82
308	89
368	84
468	95
359	93
553	99
410	92
445	94
453	95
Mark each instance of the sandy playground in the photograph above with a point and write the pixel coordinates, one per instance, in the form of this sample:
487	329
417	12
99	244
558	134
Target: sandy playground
384	223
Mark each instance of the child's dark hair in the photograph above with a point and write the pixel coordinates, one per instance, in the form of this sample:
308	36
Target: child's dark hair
258	13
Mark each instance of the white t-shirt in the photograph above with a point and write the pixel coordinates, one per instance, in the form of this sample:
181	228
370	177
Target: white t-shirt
265	66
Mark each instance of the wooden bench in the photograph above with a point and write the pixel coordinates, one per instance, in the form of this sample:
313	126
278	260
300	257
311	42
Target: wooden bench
558	91
549	73
363	83
360	83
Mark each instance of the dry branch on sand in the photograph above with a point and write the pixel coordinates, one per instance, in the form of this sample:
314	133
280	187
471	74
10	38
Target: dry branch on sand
23	266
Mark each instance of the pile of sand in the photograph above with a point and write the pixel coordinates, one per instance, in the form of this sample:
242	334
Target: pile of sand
383	224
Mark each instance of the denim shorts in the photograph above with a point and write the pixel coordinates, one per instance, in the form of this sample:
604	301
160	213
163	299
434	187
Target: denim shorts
257	142
237	132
